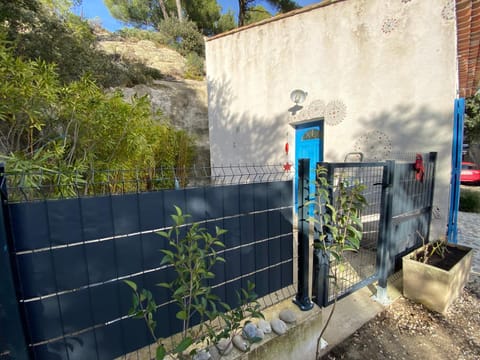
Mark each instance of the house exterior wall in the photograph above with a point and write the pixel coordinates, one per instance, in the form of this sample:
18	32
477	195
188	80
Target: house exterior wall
381	73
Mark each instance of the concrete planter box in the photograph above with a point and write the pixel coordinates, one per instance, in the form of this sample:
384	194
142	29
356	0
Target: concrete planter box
434	287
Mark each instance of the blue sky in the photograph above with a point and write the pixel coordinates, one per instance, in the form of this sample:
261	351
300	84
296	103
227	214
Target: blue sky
96	8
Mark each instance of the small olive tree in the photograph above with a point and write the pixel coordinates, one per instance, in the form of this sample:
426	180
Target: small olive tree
337	225
192	253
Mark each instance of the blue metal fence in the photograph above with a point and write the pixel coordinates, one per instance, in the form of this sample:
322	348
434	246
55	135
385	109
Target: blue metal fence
72	256
397	216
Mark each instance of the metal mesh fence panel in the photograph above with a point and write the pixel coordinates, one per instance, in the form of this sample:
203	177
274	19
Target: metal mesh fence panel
360	266
39	185
73	255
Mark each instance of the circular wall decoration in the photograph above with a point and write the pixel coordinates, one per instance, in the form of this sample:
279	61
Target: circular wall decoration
335	112
374	145
389	25
301	114
448	12
316	109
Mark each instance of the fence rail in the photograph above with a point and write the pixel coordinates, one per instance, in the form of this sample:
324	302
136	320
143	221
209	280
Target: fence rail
48	184
72	255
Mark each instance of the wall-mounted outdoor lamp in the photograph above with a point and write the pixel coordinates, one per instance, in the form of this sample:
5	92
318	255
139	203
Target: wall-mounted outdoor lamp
297	96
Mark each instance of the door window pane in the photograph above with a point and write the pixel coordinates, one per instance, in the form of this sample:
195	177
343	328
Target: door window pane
311	134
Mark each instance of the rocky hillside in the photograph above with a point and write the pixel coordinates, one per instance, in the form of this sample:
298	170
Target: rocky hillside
183	101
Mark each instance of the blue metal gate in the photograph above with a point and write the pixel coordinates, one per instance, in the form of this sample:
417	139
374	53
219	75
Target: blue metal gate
397	216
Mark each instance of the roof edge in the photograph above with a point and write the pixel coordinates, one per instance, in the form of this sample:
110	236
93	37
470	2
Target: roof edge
276	18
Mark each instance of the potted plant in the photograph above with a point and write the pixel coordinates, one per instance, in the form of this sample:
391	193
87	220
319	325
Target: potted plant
436	273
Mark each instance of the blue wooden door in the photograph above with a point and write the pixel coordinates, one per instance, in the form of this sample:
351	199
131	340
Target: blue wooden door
309	145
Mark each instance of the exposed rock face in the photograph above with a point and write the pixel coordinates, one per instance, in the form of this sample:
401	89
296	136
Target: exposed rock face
166	60
183	101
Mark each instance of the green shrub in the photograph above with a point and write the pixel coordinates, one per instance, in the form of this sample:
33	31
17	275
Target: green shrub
469	201
182	36
139	34
192	254
69	43
50	127
194	67
119	72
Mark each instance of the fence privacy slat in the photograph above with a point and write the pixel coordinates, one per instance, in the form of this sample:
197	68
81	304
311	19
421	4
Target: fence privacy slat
37	274
54	350
64	222
232	225
214	202
110	341
129	255
97	217
125	214
196	204
151	212
105	307
70	268
171	198
44	319
260	196
246	198
76	311
30	225
73	255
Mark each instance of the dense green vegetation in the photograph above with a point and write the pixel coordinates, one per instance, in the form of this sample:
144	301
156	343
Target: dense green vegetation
469	201
472	120
47	30
206	14
247	9
56	116
57	122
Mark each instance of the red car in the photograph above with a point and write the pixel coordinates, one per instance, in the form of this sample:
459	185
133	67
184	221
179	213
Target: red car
470	173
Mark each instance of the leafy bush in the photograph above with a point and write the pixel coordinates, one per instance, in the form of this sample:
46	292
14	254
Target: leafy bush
182	36
140	34
53	128
194	67
193	253
69	42
469	201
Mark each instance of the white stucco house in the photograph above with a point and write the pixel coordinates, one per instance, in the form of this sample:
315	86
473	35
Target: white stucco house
382	77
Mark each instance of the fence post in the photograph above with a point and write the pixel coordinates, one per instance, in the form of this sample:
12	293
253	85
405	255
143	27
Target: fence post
322	258
384	258
12	336
432	159
457	147
301	299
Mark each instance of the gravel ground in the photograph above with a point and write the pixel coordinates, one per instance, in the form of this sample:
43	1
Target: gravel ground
406	330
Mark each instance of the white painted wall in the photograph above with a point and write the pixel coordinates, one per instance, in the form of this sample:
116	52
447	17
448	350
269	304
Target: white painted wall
391	65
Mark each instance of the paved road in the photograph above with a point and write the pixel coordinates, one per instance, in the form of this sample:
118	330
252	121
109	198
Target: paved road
469	235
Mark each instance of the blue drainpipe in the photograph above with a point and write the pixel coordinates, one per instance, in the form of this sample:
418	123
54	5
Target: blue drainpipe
457	147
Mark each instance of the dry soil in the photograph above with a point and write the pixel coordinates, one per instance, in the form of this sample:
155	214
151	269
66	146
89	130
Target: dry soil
406	330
